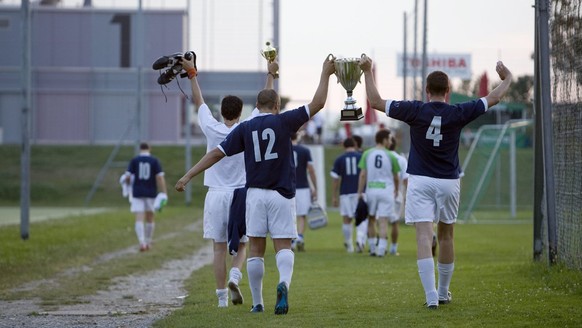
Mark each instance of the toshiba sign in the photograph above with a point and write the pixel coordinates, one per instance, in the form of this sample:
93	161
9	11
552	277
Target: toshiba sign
455	65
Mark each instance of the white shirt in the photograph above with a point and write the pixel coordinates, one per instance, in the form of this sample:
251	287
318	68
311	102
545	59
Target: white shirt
226	174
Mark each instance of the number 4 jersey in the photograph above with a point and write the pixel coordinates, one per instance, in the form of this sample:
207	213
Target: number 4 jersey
435	130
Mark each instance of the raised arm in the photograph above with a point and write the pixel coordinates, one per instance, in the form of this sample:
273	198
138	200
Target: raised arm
496	94
204	163
190	67
272	69
371	90
320	95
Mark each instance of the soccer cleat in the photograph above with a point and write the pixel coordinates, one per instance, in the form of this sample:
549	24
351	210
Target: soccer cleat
394	253
300	246
222	302
446	300
235	293
431	306
282	306
359	248
257	308
143	247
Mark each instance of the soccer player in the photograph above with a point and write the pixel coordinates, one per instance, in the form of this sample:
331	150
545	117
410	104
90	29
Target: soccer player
345	174
221	180
147	175
305	193
379	175
399	201
433	168
270	174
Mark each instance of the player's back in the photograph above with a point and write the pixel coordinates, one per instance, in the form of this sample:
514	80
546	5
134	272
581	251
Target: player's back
379	164
144	168
301	158
346	168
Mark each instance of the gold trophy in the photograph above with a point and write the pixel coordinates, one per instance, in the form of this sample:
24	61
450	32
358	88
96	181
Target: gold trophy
348	73
270	53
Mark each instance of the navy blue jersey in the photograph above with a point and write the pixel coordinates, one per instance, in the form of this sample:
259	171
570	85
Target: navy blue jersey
144	168
346	168
435	130
268	152
301	156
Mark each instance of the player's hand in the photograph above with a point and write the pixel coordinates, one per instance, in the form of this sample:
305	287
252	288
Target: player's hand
328	65
273	66
365	63
181	185
186	64
502	71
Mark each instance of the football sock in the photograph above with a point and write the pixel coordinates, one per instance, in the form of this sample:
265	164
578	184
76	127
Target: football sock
285	259
300	237
426	273
372	242
394	248
222	295
149	232
382	245
235	275
445	275
139	231
256	271
347	230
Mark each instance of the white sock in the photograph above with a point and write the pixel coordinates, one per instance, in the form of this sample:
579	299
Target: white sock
445	275
139	231
372	242
149	232
222	295
285	260
256	271
235	275
382	245
426	273
394	248
347	229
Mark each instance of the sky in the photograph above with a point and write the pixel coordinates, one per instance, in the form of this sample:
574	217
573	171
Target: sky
228	34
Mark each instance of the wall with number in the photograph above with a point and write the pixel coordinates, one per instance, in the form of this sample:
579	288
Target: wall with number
84	76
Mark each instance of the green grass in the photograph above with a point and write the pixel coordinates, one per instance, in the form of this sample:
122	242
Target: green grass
495	284
57	246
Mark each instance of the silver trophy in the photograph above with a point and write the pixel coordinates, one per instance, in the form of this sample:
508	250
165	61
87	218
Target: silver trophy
348	73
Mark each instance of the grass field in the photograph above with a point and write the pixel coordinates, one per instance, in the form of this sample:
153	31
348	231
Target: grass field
496	283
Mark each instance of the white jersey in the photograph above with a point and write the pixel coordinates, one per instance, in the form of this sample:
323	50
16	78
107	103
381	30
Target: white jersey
226	173
403	163
381	165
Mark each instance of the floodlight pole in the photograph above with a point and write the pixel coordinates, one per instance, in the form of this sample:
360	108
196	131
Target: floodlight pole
424	56
187	127
26	106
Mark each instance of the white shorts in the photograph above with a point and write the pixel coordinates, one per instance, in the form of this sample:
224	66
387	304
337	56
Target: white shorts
348	204
432	200
216	211
303	201
381	203
139	205
269	212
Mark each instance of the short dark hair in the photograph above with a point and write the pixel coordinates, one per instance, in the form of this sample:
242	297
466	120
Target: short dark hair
359	141
267	98
437	83
231	107
381	135
349	143
144	146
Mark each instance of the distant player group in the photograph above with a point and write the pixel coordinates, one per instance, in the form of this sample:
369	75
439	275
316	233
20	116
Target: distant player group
274	194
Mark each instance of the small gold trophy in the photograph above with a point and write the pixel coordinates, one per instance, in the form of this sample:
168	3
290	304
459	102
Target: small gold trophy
348	73
270	53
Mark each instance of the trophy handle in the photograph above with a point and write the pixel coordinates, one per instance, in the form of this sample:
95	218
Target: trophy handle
330	57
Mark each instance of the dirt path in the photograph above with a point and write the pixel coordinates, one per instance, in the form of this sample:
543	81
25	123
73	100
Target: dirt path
154	295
